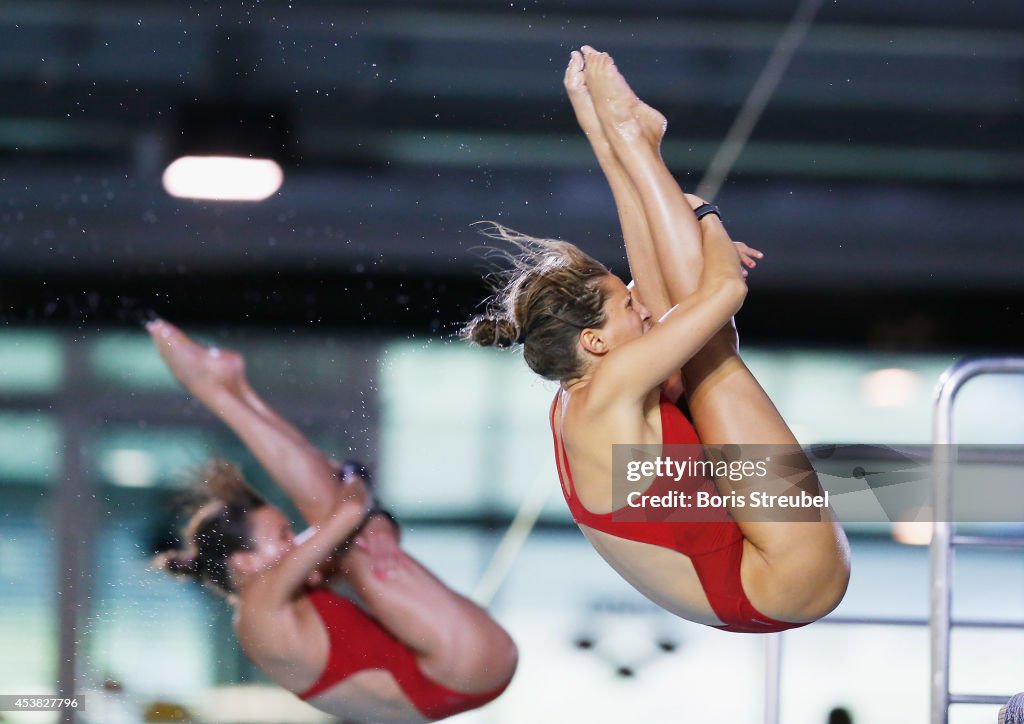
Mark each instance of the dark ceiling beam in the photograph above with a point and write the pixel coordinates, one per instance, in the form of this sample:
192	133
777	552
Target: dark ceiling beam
865	26
475	149
27	118
324	146
819	235
517	34
102	71
389	305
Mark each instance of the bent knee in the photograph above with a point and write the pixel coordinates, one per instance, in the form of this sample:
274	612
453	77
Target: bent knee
826	594
508	657
801	588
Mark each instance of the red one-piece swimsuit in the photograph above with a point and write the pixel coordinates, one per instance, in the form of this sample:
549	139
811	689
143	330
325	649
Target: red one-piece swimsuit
358	642
714	544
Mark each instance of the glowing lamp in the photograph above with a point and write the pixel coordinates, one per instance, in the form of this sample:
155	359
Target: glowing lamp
223	178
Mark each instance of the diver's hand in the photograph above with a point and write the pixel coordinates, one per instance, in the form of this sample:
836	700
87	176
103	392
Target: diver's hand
748	256
378	540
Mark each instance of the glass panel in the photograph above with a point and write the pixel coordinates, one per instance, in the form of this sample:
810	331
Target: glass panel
847	397
159	456
990	410
302	365
28	635
475	438
463	431
299	366
30	362
30	447
522	445
158	638
434	411
124	359
164	457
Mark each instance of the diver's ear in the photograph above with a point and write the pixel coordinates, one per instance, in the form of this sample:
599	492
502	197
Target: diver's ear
593	341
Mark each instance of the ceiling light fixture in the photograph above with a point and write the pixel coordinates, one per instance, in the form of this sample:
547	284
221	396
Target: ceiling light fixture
223	178
228	151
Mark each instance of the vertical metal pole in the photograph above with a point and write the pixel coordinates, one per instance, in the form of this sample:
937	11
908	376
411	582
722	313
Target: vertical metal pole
941	552
772	677
74	521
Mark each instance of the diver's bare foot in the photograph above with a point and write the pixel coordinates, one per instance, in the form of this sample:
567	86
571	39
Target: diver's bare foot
617	106
201	370
582	104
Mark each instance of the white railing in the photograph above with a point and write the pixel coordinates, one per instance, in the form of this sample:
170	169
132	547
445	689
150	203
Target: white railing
944	536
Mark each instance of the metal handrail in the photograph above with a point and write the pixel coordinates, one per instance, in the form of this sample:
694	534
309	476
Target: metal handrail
941	551
898	621
944	455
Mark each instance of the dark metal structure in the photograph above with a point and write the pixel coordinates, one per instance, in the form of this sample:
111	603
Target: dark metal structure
885	179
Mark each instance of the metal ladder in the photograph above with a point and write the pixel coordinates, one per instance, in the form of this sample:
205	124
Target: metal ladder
941	556
944	537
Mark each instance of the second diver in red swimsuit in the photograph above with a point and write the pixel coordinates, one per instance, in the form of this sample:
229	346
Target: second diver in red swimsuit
339	615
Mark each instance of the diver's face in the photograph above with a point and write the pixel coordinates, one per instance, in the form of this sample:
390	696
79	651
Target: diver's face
625	317
638	304
272	538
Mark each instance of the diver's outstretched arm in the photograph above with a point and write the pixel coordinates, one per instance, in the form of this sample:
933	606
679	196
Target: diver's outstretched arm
273	589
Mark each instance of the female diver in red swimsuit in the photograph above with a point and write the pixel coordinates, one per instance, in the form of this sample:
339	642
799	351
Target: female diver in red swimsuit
398	645
621	375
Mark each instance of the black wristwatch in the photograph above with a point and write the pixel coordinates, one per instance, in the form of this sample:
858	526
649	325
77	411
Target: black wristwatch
705	209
